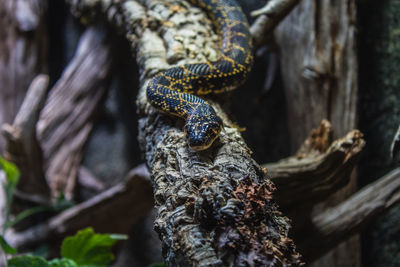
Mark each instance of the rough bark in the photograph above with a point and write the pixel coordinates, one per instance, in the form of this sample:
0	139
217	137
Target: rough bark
22	53
66	119
320	168
202	216
319	70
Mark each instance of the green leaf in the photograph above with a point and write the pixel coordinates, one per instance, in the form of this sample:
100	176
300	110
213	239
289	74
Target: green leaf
6	247
12	177
89	248
27	261
11	171
62	263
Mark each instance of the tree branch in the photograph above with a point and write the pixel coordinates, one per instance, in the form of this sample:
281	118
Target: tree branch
66	119
336	224
320	168
133	194
202	218
269	17
22	147
202	215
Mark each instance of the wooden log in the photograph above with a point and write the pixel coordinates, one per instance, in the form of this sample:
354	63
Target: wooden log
203	198
66	119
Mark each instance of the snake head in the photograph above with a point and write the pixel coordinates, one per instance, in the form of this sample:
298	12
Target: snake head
202	127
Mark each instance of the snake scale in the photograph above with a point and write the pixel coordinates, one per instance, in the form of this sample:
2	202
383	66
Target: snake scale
176	91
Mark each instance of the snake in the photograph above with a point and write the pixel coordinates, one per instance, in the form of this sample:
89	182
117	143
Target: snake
177	91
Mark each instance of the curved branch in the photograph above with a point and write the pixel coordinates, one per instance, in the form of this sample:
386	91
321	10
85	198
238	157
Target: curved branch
269	17
320	168
338	223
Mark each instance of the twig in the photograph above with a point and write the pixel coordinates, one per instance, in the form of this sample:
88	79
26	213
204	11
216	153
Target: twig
269	17
395	147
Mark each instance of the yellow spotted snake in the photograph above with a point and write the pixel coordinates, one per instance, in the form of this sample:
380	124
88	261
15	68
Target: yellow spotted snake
176	91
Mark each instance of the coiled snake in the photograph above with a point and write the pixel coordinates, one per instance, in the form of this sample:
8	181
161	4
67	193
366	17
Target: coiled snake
175	91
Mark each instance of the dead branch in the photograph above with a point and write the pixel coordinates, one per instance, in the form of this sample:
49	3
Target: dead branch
269	17
320	168
22	147
66	119
130	199
336	224
395	146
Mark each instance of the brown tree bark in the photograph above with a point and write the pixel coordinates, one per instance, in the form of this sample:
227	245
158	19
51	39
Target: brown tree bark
66	119
319	68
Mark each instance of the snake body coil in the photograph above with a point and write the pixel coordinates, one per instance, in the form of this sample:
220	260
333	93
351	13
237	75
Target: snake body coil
174	91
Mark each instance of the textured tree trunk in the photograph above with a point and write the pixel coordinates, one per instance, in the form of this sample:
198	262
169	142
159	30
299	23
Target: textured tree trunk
319	68
22	53
203	198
